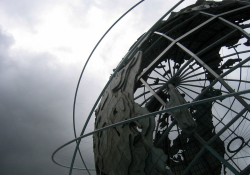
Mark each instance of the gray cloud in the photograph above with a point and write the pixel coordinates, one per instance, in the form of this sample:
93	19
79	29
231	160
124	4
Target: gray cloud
36	89
35	104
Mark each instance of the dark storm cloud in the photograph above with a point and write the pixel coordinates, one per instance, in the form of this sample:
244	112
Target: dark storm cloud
35	104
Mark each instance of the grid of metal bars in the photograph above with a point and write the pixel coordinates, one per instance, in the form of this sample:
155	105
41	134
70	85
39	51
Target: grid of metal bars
174	55
188	44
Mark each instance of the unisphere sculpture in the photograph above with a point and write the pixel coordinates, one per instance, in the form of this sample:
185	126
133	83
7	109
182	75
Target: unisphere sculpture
178	62
178	102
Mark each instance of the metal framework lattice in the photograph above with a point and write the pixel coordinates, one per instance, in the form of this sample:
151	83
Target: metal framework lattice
180	58
186	53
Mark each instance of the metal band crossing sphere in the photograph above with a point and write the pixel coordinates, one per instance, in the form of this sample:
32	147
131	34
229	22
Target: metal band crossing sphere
178	102
198	53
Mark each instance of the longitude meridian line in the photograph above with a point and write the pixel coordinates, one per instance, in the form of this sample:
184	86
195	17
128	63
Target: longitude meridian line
169	66
246	133
193	75
242	132
160	74
230	158
174	67
233	131
193	81
156	78
246	129
143	93
247	74
197	86
225	137
186	69
220	121
242	156
245	152
146	100
192	71
144	89
179	87
228	109
77	143
224	106
240	73
209	147
189	89
166	72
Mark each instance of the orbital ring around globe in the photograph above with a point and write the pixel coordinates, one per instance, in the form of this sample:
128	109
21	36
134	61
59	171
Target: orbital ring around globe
175	105
112	76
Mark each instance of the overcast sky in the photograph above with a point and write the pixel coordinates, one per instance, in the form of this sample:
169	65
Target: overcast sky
43	47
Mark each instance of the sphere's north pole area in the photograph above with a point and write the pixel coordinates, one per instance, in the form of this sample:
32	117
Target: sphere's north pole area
176	104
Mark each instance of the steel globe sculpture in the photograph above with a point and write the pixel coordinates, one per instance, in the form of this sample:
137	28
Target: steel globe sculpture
176	104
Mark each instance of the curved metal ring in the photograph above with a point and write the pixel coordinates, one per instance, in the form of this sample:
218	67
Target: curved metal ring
77	87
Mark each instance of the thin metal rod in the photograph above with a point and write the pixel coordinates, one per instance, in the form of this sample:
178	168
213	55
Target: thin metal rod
146	116
189	89
199	80
153	92
144	93
192	71
176	74
223	125
235	54
240	114
145	100
160	74
196	28
234	10
147	69
120	65
233	131
191	164
188	68
232	25
172	44
156	129
181	24
194	75
215	153
246	171
157	78
216	43
78	84
226	107
206	14
164	135
211	71
179	88
242	81
164	35
191	59
222	75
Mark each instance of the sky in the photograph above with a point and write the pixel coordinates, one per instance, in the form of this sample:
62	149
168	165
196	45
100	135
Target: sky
43	47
